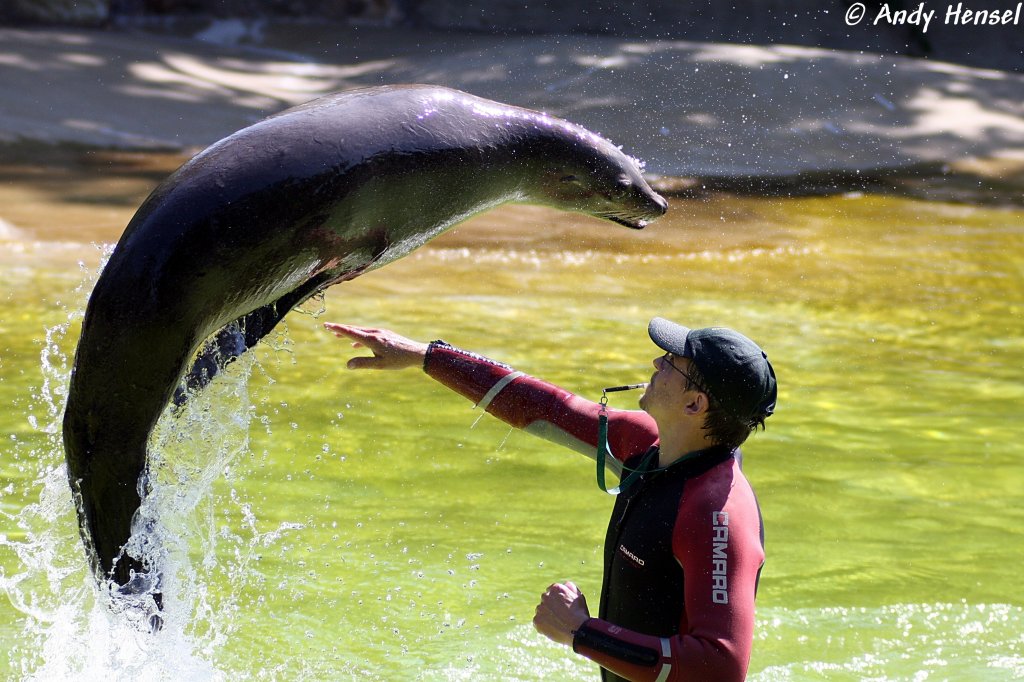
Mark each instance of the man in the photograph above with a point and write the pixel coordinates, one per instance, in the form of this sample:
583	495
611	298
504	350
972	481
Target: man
684	546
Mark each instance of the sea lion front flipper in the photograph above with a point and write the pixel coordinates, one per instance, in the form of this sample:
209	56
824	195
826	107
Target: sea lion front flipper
235	338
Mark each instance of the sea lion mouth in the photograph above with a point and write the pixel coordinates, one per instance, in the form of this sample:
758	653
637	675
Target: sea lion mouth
634	224
637	219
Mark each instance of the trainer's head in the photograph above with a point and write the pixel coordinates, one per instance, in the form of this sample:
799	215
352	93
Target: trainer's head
730	369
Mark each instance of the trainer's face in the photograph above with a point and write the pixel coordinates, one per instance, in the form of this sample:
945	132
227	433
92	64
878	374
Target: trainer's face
667	389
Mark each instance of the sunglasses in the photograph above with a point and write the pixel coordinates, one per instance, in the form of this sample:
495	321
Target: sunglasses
691	383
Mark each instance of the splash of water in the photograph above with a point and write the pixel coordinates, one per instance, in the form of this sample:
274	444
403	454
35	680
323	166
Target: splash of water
72	628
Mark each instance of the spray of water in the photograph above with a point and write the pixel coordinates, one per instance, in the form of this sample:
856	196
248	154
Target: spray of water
71	628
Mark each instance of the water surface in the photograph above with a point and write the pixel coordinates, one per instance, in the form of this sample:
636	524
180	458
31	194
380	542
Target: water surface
329	524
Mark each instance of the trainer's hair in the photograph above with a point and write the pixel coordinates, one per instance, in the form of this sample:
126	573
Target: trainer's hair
723	428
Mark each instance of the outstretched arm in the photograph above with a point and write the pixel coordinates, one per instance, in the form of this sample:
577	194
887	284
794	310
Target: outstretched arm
519	400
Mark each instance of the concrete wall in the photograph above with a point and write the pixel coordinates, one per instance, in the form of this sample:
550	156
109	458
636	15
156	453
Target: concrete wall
819	23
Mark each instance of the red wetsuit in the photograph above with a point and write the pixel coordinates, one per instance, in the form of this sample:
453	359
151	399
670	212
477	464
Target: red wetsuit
684	546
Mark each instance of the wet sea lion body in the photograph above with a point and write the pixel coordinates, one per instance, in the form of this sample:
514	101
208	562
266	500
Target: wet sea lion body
267	217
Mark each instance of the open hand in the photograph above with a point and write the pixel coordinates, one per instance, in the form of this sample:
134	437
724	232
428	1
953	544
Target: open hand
390	350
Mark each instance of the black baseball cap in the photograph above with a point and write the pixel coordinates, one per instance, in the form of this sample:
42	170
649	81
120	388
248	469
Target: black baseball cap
736	371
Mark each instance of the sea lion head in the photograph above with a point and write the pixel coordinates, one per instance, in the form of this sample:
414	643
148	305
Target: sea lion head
586	173
548	160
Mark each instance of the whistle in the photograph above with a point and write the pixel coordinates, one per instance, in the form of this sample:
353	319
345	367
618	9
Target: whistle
627	387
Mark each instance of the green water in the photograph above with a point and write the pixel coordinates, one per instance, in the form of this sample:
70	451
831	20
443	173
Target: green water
373	526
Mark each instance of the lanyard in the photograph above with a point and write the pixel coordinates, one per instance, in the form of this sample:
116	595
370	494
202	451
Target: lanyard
604	449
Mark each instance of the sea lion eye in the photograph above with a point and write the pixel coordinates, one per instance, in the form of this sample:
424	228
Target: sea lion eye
569	178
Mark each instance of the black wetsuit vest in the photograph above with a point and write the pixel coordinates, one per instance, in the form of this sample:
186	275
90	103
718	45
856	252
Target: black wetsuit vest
643	581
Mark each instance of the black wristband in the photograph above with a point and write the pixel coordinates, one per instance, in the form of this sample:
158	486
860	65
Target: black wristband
430	347
627	652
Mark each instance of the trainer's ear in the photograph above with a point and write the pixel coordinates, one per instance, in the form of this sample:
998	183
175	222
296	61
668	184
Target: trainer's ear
698	404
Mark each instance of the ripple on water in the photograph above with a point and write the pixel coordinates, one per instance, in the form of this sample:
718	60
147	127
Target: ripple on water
588	256
948	641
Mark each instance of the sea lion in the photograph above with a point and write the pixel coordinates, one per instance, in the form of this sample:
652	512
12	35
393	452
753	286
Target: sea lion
265	218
